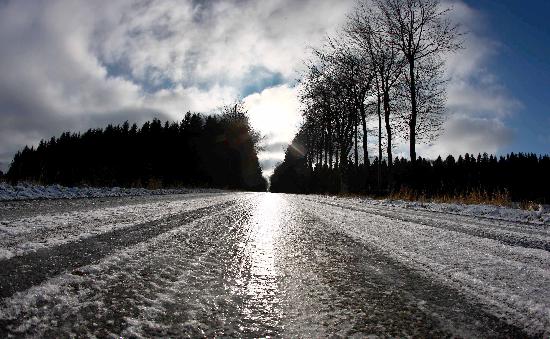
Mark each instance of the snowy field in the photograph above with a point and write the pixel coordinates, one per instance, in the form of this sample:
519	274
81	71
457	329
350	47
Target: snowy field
260	264
540	215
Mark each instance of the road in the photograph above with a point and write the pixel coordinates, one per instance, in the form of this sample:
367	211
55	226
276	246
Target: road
261	264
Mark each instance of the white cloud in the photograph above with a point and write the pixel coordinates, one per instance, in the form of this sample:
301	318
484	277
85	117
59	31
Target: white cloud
176	101
466	134
478	104
275	109
274	113
72	65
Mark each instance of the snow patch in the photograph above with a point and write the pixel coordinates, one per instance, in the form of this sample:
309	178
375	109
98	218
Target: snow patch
25	191
539	216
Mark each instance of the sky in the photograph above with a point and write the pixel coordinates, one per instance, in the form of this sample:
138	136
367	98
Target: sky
74	65
522	31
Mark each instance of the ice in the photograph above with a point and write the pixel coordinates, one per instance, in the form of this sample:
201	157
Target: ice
23	235
135	290
287	265
472	250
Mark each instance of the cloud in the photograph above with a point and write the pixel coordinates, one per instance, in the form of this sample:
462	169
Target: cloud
269	160
72	65
269	165
274	109
275	147
259	78
478	104
466	134
176	101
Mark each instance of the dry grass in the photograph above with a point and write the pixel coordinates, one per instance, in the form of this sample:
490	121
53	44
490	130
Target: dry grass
470	198
154	184
529	205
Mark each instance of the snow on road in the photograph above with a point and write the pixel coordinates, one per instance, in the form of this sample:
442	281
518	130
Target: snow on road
19	236
258	264
504	265
28	191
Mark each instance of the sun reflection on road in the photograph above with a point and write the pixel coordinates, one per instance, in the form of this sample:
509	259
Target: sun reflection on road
258	272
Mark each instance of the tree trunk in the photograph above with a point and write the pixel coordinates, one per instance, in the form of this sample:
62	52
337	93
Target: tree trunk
364	126
343	156
325	147
388	134
414	111
320	149
330	146
356	150
379	110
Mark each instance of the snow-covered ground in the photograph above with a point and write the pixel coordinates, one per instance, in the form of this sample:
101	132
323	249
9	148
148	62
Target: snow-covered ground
480	250
260	264
26	191
539	215
23	235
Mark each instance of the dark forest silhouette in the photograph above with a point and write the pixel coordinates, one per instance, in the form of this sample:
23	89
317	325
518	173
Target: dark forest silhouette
382	75
522	177
206	151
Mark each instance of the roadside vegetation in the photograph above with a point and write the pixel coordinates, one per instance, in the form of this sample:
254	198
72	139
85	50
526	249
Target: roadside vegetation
468	179
379	80
218	151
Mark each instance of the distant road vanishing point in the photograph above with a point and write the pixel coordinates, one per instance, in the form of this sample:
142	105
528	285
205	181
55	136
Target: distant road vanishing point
262	264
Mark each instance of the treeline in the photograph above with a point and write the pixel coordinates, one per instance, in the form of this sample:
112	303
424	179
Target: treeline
521	177
382	76
207	151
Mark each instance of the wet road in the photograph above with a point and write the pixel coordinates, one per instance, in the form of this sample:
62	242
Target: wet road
256	265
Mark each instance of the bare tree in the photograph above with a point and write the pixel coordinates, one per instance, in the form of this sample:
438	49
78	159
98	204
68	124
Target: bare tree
430	99
318	112
332	97
422	31
379	115
387	63
367	28
356	78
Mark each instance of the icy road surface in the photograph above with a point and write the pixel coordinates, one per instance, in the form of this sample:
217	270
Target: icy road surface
260	264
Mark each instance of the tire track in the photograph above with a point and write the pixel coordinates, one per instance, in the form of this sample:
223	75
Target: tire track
467	226
22	272
508	281
17	209
380	296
